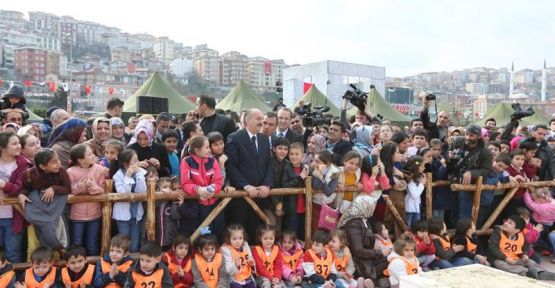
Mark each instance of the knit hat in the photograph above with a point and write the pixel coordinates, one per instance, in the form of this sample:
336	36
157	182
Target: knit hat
519	222
474	129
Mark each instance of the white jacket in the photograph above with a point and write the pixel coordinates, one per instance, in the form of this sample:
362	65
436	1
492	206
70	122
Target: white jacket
412	199
123	184
397	267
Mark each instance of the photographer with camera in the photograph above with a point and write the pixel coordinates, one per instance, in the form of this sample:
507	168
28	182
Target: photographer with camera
437	129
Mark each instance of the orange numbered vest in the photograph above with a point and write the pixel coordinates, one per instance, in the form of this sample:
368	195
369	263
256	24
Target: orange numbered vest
123	267
209	270
6	278
174	266
268	261
470	246
445	244
245	269
411	266
511	248
86	279
30	281
153	280
322	267
293	260
341	262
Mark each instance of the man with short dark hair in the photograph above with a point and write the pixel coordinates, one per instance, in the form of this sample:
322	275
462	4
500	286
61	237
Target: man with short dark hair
269	124
114	108
546	172
284	116
298	126
491	123
336	144
212	121
416	123
437	129
162	124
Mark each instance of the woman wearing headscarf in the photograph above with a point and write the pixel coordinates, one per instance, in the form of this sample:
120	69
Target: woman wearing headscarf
102	131
315	144
363	143
148	152
118	130
369	263
66	135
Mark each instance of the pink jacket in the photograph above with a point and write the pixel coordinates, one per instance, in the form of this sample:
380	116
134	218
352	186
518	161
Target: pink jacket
541	212
531	236
288	273
368	183
88	210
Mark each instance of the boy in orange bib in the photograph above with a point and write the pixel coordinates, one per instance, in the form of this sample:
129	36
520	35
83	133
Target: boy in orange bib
318	263
42	274
147	271
112	270
7	275
508	251
78	272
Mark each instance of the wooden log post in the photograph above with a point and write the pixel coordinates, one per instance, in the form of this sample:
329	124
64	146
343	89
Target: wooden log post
257	210
151	210
106	218
395	213
219	208
308	212
508	196
429	196
476	200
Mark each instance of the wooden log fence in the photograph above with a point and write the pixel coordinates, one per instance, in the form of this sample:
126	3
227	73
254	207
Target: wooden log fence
151	196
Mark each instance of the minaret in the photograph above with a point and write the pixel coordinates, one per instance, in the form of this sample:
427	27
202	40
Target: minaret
544	80
511	79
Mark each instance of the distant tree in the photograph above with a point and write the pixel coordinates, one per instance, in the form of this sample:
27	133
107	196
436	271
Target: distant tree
40	111
59	99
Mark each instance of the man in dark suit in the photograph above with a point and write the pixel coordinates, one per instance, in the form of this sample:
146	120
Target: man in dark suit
248	168
284	116
336	144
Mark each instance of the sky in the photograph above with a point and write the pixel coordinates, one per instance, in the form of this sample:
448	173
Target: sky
406	37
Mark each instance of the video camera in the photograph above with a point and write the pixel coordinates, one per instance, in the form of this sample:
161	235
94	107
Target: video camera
430	97
356	96
314	117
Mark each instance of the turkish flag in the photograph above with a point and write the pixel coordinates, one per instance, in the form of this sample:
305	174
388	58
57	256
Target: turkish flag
307	87
1	81
111	90
52	86
27	83
87	89
193	98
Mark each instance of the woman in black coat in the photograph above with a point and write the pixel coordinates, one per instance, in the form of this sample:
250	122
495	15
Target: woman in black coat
369	263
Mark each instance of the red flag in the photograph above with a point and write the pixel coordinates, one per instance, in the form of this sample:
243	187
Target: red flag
307	87
268	67
111	90
27	83
52	86
87	89
193	98
1	81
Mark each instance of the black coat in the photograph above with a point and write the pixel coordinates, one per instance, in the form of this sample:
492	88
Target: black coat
369	263
245	166
291	136
219	123
339	150
157	151
547	169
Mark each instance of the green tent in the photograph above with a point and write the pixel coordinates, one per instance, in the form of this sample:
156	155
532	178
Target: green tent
241	97
502	115
157	86
314	96
33	117
376	104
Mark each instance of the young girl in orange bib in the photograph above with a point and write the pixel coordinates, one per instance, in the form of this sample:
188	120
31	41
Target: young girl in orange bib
238	258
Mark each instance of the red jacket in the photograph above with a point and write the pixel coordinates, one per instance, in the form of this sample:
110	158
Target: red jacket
187	280
198	172
422	248
13	189
512	171
261	269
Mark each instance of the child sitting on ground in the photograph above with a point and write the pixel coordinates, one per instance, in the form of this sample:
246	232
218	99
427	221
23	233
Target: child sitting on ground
382	242
425	249
402	261
113	268
147	271
292	254
531	233
78	272
179	261
42	273
7	275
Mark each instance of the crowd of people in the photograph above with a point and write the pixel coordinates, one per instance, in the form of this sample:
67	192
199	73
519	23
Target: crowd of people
351	164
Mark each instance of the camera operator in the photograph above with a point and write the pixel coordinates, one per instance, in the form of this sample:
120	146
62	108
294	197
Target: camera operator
437	129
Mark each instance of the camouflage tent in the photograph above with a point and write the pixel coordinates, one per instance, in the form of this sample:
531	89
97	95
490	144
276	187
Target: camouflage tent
241	97
157	86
